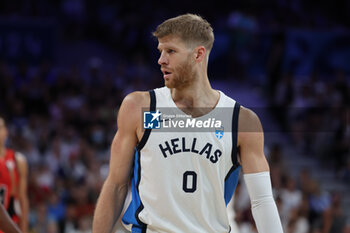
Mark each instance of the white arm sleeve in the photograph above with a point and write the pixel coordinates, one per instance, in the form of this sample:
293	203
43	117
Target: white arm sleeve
264	208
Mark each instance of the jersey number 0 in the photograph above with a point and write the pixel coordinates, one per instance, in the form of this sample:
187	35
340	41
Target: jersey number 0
189	187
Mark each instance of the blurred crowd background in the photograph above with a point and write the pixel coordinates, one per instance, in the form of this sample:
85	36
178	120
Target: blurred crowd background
65	66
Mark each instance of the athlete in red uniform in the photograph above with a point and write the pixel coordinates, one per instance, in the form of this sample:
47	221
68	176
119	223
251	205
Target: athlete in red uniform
5	184
13	181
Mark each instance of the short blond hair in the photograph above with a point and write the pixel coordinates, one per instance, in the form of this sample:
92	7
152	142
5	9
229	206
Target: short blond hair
191	28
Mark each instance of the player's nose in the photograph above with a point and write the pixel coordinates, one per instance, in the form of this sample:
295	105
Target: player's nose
162	59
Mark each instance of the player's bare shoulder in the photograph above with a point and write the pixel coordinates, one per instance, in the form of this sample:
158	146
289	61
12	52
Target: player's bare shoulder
136	101
21	162
20	158
130	112
248	121
249	125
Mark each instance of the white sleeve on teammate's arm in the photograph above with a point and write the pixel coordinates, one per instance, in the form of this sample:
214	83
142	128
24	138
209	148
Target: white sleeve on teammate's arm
264	208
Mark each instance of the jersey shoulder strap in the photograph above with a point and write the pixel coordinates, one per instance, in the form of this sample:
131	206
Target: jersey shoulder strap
152	108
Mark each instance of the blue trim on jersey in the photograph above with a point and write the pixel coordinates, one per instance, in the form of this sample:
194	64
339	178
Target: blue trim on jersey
130	216
231	183
136	206
231	178
136	229
234	131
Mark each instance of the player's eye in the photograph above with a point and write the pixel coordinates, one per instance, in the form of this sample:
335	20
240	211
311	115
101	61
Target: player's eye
171	51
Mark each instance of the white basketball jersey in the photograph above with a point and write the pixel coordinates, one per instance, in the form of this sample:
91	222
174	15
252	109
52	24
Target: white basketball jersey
182	181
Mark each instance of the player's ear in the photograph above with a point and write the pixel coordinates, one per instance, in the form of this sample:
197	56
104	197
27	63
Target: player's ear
200	52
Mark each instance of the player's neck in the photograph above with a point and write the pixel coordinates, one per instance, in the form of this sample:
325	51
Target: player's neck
198	94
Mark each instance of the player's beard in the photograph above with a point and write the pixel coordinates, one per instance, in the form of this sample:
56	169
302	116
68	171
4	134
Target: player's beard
183	76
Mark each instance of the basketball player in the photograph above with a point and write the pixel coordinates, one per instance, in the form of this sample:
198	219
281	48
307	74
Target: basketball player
182	181
6	224
13	181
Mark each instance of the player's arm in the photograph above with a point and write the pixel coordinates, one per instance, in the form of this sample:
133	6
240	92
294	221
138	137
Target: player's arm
256	172
22	191
6	224
114	190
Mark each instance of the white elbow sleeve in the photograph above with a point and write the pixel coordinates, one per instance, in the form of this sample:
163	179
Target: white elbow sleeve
264	208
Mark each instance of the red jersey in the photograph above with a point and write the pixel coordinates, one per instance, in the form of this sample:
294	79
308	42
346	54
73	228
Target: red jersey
9	178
